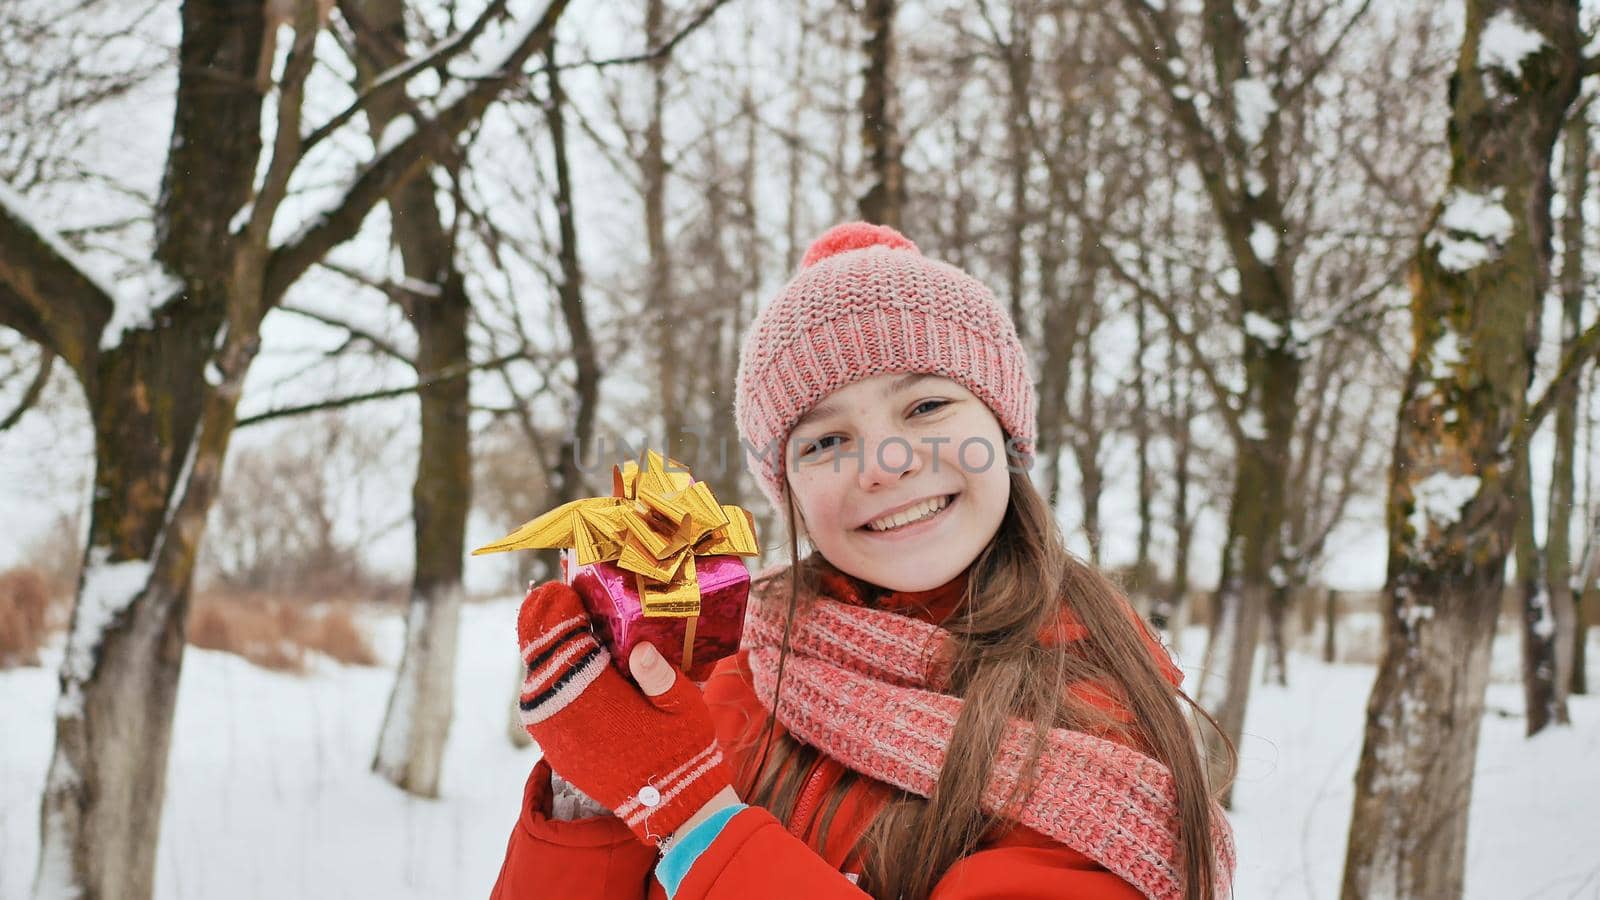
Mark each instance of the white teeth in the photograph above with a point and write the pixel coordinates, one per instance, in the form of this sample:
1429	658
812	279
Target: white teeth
905	517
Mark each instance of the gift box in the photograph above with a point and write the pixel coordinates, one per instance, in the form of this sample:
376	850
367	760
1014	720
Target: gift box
695	643
657	561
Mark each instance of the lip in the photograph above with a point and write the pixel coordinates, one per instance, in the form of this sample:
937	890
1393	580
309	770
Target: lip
914	529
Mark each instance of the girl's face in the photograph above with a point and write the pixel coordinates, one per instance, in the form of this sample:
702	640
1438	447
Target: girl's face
899	480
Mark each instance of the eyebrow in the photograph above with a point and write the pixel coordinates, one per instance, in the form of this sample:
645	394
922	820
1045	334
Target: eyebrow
894	387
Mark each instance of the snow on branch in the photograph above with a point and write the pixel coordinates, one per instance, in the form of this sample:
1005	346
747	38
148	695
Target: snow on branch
1505	42
72	307
108	590
1438	501
1254	108
1472	230
402	161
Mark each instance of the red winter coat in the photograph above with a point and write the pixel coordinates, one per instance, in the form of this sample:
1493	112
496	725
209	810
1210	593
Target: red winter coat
758	856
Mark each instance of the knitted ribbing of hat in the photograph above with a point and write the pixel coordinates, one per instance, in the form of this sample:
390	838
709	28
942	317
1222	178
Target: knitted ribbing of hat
864	686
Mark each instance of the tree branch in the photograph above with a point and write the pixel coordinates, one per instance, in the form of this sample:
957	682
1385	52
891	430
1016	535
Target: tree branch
401	162
650	55
1220	392
45	292
379	344
395	78
448	373
1582	350
286	145
31	395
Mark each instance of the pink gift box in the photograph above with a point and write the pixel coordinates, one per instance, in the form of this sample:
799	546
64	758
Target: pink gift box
618	617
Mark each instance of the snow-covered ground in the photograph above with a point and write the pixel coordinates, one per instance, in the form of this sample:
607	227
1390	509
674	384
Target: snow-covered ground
269	794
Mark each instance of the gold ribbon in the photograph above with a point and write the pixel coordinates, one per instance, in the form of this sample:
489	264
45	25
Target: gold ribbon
654	525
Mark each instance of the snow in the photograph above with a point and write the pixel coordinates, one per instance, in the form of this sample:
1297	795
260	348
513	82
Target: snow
134	306
397	736
1472	229
1529	819
241	217
1262	329
1264	241
1439	499
1228	280
270	787
1544	621
396	132
1253	103
1505	42
1254	183
270	792
108	590
420	288
1447	354
56	878
19	209
1253	425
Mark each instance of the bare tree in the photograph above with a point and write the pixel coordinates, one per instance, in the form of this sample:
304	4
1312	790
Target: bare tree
1551	615
163	374
433	296
1480	271
880	132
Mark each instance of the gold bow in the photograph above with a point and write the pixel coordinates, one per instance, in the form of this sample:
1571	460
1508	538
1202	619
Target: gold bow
654	525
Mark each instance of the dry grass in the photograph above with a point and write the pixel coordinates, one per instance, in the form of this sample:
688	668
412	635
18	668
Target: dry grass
29	612
275	633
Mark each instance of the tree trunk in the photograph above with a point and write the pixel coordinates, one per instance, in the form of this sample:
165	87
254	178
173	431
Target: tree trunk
659	294
1086	427
1019	76
1240	173
1164	615
1277	671
163	395
416	722
1330	628
1255	518
1558	530
1584	605
101	807
1539	671
1143	568
1475	290
880	129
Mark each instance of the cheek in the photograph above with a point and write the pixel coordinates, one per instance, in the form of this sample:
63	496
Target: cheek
816	499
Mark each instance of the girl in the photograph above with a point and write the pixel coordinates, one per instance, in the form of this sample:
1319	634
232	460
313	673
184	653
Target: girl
939	700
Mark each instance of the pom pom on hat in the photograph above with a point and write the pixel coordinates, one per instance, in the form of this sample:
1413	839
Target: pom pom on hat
855	236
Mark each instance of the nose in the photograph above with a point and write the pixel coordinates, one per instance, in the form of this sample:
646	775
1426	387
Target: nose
889	457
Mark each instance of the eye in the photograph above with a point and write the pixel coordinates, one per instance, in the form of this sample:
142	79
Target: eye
931	405
812	447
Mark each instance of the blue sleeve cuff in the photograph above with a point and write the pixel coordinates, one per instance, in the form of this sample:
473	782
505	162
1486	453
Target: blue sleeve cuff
685	850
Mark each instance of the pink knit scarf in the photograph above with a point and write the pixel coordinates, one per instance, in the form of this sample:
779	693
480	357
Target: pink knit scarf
866	686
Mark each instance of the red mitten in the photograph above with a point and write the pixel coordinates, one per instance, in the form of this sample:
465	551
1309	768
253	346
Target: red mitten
654	761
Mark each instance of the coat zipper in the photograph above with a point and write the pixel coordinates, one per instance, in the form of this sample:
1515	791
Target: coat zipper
806	805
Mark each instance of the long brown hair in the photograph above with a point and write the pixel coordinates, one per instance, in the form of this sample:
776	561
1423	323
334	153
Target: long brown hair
1016	590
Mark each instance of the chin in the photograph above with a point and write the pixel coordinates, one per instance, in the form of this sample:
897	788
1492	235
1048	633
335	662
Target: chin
922	579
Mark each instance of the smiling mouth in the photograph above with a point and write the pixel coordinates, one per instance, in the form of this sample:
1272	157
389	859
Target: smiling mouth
898	521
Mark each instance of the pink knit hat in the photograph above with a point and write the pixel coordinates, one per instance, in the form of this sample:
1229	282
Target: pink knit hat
867	302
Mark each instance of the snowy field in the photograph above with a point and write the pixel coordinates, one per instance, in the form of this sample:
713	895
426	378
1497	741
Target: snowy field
269	794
